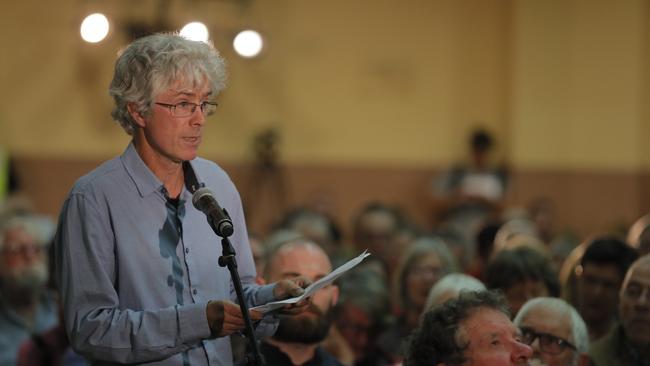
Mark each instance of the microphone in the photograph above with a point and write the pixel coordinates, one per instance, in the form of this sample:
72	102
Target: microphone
204	201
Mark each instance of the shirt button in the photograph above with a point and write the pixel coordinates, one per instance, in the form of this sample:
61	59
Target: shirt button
187	250
194	291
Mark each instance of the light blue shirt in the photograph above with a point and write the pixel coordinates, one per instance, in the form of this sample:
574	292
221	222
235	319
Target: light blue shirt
14	330
136	272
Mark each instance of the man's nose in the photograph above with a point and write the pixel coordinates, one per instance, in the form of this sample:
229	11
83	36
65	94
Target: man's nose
197	117
522	352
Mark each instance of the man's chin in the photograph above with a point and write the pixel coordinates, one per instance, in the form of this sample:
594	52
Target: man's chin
29	279
305	330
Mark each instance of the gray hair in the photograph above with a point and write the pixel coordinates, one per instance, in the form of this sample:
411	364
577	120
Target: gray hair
151	64
40	228
578	326
455	282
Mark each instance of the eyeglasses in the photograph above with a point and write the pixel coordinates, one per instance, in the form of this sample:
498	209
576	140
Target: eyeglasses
186	109
548	343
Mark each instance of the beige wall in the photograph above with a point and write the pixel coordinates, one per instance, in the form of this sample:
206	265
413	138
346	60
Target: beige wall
369	85
578	85
361	81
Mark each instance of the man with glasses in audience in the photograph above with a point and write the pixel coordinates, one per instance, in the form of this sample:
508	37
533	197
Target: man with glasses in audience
628	343
555	331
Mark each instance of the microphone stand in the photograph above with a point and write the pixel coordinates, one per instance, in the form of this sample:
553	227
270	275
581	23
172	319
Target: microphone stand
227	259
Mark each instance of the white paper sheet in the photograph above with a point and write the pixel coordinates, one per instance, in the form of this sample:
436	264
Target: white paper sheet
315	286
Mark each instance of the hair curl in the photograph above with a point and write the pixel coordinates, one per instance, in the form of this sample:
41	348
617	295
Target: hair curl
437	339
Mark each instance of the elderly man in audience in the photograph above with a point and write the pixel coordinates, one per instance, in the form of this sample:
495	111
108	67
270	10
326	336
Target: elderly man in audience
555	331
473	329
628	343
26	306
298	338
599	277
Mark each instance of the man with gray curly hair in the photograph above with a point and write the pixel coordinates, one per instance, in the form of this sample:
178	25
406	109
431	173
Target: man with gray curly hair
136	262
555	331
472	329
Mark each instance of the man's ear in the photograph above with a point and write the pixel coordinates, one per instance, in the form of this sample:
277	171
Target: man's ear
135	114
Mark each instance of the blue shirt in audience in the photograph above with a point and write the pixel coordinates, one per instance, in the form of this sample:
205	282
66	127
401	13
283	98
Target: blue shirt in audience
14	330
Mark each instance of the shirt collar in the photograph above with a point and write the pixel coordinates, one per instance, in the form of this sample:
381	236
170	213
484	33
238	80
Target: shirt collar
145	181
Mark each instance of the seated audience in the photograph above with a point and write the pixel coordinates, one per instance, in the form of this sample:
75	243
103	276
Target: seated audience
541	211
599	277
517	226
473	329
315	226
360	315
463	252
555	331
423	264
521	274
638	236
50	348
449	287
628	342
259	256
484	249
560	251
298	337
517	240
374	228
27	307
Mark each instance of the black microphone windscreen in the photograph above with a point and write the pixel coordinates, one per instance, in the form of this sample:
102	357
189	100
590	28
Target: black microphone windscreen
201	197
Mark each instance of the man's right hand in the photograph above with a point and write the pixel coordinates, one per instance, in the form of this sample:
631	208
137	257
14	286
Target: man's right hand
225	317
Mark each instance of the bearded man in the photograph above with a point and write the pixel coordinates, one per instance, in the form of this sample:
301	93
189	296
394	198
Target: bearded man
298	338
26	306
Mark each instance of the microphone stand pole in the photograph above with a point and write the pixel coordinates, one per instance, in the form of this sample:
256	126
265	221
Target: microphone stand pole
227	259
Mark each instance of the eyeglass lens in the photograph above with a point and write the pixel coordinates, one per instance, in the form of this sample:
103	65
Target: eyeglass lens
547	342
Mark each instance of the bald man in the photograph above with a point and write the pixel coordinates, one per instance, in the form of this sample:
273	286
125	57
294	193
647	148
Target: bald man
297	340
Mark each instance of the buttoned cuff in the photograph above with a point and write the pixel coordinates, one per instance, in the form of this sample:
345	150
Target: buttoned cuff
265	294
193	322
